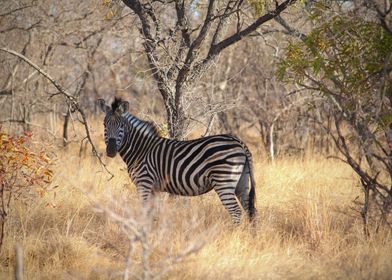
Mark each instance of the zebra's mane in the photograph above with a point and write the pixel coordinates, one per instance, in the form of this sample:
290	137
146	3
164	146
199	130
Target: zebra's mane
116	103
151	128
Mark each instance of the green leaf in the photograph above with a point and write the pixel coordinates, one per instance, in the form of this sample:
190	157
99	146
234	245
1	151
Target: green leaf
317	64
385	119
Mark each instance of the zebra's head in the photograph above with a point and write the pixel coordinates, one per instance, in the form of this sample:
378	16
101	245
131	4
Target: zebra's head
114	123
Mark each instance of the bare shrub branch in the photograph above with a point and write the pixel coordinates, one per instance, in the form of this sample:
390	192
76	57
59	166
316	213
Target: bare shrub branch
148	230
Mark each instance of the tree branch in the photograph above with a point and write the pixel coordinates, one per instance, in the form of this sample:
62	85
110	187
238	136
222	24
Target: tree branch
192	52
290	30
71	100
15	10
150	43
217	48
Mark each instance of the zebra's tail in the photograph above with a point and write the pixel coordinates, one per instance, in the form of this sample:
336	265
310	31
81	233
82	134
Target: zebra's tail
252	193
252	211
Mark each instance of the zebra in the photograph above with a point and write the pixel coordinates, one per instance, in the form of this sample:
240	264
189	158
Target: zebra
186	168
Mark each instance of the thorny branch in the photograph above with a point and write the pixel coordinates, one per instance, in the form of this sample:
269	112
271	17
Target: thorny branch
71	101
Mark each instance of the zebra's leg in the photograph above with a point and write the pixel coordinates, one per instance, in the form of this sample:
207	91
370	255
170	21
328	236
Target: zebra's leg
145	193
146	197
230	202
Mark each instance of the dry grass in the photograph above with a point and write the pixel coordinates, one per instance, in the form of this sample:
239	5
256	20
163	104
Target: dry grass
306	230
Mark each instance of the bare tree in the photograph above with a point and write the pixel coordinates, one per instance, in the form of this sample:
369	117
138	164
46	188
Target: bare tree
182	40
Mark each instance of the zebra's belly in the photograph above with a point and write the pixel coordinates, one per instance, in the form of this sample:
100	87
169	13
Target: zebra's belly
200	192
186	190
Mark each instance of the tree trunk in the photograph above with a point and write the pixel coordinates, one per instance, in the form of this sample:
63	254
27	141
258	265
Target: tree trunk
176	117
3	214
18	263
264	135
271	142
2	224
176	120
65	129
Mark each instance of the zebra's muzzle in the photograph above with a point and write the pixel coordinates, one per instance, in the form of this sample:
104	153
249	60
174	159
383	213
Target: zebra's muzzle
111	148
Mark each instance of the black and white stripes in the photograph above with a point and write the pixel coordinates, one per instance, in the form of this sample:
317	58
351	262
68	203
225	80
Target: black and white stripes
189	168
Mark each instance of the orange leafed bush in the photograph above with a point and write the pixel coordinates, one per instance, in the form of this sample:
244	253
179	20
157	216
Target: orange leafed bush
22	168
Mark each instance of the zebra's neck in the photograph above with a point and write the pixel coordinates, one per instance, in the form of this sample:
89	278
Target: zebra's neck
140	136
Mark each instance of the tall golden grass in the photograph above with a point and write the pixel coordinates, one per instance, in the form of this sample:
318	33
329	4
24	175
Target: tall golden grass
307	228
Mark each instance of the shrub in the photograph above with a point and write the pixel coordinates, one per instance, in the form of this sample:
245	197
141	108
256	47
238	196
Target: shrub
23	169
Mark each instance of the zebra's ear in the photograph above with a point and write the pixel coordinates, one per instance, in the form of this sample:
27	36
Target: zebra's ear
103	105
124	106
